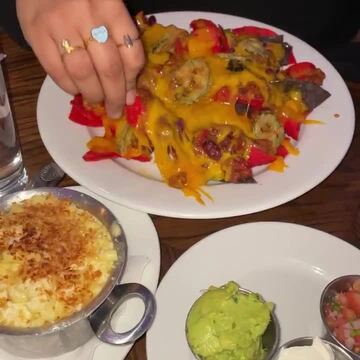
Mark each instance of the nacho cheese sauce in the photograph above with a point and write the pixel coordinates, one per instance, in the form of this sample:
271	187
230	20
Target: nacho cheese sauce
54	259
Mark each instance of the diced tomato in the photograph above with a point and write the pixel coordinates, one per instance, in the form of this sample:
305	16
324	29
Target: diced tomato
342	298
341	321
83	116
282	151
306	71
343	317
331	322
292	128
339	333
223	95
134	111
253	31
348	314
259	157
353	299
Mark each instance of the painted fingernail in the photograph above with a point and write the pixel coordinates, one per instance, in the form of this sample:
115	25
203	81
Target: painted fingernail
130	97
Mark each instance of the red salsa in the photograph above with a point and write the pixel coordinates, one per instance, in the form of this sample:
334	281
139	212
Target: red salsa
342	315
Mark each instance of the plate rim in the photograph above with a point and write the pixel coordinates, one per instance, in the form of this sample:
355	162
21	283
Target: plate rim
211	211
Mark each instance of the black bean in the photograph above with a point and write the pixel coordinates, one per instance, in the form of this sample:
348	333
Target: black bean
151	20
212	149
241	108
235	65
180	125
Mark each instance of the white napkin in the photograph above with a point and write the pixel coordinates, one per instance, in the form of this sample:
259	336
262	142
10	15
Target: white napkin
135	268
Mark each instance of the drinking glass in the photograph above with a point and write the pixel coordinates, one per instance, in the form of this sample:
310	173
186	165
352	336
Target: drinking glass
13	175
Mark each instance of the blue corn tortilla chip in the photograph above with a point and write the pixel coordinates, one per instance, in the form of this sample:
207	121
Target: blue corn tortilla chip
313	95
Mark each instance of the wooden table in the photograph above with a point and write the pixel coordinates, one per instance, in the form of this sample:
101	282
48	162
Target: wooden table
332	206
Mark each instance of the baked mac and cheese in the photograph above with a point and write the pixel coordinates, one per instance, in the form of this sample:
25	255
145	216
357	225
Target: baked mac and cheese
54	259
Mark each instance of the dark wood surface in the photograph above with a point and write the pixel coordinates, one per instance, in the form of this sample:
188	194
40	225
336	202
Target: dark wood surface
333	206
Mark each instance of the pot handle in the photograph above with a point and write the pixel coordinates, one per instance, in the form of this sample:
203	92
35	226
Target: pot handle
100	320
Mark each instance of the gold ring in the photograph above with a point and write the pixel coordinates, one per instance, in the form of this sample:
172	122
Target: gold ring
128	41
68	49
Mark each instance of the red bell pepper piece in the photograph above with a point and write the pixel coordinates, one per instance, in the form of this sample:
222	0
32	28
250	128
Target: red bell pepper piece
255	103
220	42
282	151
180	47
83	116
134	111
292	128
291	57
301	68
259	157
202	23
251	96
141	158
223	95
253	31
96	156
306	71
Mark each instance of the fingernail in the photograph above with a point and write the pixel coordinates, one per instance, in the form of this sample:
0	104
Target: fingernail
113	113
130	97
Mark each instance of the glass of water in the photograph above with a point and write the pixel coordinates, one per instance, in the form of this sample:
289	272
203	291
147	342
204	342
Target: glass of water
13	175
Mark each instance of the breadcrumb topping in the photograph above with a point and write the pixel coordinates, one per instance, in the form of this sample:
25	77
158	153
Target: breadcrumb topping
54	259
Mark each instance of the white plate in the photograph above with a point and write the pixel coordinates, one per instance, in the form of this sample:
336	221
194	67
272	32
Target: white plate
288	264
143	267
127	182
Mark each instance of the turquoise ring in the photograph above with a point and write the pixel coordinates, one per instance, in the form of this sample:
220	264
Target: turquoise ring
100	34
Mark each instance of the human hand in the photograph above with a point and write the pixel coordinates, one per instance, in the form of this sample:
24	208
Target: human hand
101	72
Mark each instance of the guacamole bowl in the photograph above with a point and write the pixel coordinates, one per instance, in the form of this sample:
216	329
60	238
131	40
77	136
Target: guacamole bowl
229	322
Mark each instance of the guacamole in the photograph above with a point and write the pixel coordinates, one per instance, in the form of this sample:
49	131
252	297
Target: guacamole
226	324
